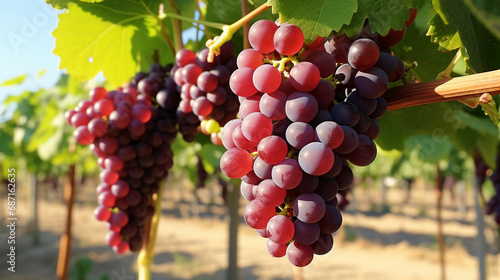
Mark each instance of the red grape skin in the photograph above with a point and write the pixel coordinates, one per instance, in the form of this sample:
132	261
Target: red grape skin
331	221
102	213
104	107
350	141
241	82
338	47
392	38
262	169
363	54
305	76
121	248
249	105
288	39
287	173
301	107
249	58
299	134
299	255
113	238
246	190
365	152
190	73
257	215
98	93
330	134
273	105
227	133
323	245
272	149
276	250
256	126
316	158
269	194
78	119
309	207
261	35
83	136
236	163
184	57
280	229
413	15
371	83
323	60
241	141
266	78
306	233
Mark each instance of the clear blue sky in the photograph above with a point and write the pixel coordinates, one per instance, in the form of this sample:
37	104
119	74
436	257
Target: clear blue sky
26	44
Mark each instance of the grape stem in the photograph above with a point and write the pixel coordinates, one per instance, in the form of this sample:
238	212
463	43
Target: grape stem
176	24
145	258
443	90
161	15
229	30
281	63
202	22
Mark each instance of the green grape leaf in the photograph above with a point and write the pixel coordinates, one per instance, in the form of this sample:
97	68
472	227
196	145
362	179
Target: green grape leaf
15	81
51	146
458	27
115	37
429	60
464	138
491	110
436	120
315	17
58	4
487	145
481	125
445	35
428	149
211	155
487	12
382	15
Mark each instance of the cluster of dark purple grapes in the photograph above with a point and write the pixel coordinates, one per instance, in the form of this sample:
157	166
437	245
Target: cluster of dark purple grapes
304	116
204	90
131	138
493	206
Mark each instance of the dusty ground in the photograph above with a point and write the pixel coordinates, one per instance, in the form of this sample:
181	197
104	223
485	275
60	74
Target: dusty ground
192	242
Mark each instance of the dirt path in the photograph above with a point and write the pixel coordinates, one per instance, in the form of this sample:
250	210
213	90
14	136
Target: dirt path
369	246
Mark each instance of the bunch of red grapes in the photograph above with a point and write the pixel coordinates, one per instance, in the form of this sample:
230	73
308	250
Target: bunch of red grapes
204	90
131	138
307	113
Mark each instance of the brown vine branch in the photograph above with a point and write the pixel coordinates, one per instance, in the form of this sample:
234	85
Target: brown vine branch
246	26
64	256
443	90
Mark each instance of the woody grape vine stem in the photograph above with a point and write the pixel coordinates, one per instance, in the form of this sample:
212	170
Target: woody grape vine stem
443	90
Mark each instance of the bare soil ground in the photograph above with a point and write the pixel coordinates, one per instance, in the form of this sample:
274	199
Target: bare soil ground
192	241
